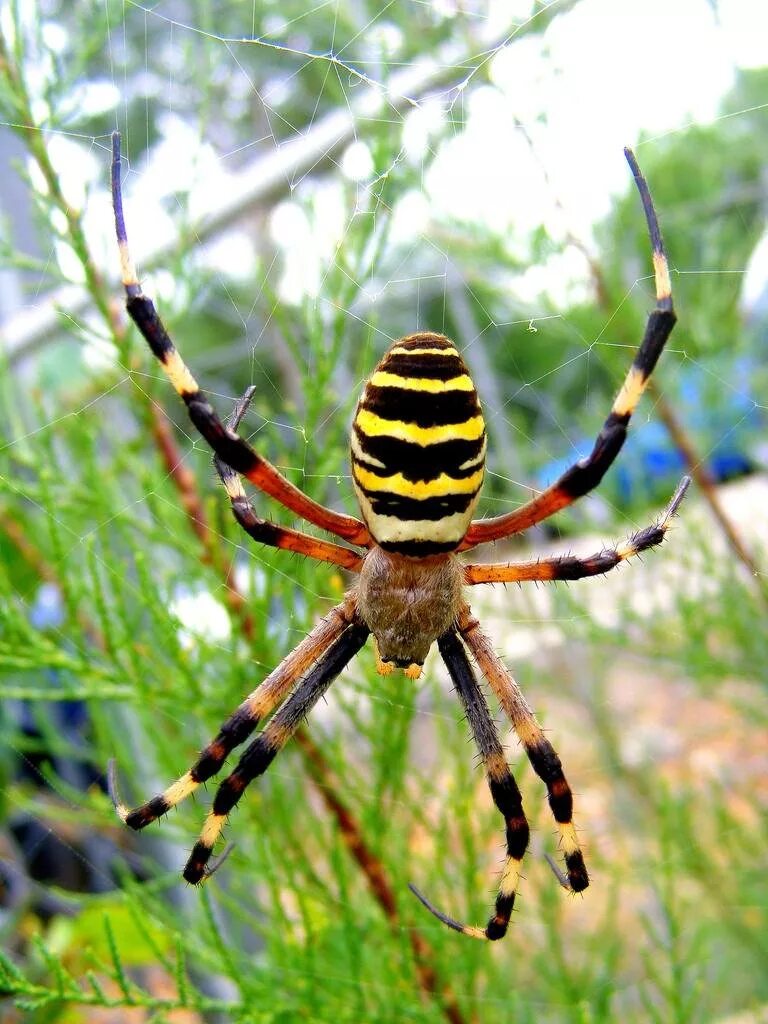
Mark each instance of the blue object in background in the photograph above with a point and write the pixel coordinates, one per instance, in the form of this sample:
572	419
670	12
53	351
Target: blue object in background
724	421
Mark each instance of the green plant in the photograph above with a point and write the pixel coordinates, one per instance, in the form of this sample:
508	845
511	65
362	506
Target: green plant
105	500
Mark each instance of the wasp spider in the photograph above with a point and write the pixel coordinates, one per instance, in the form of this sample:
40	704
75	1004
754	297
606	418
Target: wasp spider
418	447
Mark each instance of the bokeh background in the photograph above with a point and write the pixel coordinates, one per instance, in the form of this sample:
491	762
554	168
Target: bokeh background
304	183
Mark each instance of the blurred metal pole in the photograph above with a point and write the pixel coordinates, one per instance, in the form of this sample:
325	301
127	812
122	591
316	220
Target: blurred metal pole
272	176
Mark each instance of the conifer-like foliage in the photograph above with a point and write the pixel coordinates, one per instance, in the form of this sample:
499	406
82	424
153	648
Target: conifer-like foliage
134	616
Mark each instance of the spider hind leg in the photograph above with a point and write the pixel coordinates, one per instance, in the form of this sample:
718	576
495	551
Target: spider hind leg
259	755
502	785
239	726
540	752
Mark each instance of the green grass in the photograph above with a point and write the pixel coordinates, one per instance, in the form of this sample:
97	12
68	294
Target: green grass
673	928
660	721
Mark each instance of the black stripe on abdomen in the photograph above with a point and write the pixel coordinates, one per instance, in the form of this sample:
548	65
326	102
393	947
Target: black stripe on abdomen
426	365
384	503
420	462
420	408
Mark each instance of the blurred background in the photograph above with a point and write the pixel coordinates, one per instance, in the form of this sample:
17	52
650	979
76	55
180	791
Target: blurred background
303	185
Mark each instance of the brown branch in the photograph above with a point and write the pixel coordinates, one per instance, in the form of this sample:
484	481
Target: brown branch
37	563
34	559
315	763
186	485
34	139
698	469
373	869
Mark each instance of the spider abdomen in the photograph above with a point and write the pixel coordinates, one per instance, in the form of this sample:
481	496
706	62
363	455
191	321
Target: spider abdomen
418	448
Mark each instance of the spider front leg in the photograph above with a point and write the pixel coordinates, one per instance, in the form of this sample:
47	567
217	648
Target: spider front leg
228	445
265	532
568	567
587	473
263	750
501	782
239	726
540	751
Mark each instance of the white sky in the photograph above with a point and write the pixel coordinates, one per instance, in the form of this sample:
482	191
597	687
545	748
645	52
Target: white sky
603	74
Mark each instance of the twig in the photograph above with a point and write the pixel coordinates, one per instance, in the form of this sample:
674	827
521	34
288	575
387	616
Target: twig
186	484
315	763
373	869
700	473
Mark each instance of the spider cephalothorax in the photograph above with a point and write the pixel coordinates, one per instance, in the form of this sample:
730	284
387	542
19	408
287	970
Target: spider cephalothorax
407	604
418	453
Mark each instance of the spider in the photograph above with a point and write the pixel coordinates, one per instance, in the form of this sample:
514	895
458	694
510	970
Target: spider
418	448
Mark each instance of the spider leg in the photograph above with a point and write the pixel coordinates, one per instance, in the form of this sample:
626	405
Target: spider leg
228	445
265	532
501	782
540	751
239	726
261	752
568	567
584	475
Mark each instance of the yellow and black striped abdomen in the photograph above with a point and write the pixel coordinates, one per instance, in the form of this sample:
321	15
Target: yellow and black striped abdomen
418	447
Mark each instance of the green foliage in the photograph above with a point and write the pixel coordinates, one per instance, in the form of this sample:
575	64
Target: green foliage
674	926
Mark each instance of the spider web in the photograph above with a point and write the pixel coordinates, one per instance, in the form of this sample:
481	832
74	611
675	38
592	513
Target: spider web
302	188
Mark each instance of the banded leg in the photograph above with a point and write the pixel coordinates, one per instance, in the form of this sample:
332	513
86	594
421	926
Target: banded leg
239	726
587	473
229	446
540	751
568	567
265	532
503	788
262	751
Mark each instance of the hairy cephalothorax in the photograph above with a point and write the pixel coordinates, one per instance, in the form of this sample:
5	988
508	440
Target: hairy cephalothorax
418	452
407	604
